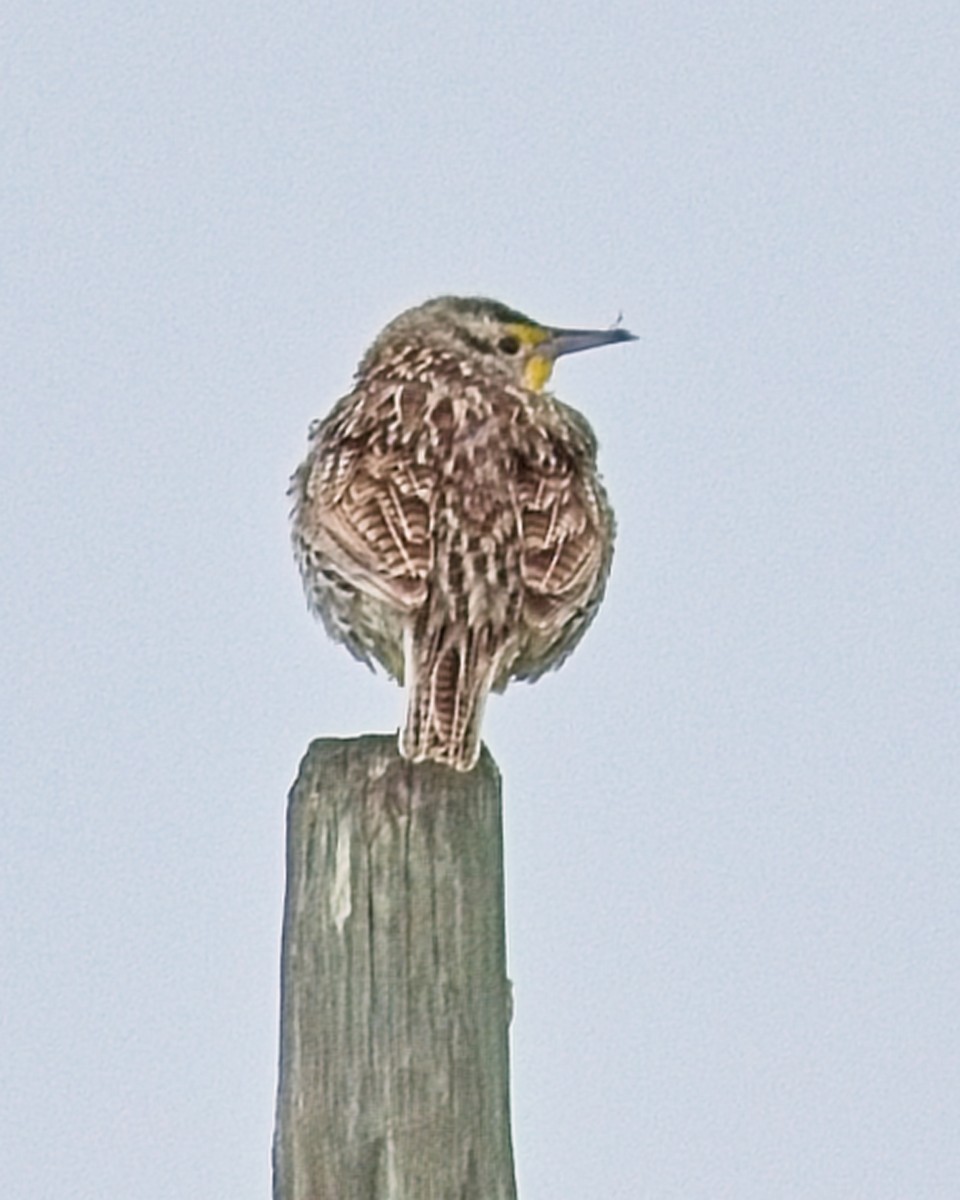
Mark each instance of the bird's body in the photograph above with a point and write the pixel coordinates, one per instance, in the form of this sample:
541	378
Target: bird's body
448	520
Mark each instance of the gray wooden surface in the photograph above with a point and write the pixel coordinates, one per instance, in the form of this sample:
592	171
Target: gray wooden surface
395	1001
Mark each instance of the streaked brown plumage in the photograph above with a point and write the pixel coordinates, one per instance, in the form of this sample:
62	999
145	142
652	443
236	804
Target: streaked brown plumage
448	519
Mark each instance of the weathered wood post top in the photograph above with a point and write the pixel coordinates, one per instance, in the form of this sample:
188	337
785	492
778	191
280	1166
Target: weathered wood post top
394	1075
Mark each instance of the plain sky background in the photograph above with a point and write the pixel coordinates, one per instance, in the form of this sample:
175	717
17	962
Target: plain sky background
732	819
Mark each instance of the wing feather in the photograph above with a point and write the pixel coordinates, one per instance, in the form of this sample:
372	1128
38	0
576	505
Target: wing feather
566	547
366	503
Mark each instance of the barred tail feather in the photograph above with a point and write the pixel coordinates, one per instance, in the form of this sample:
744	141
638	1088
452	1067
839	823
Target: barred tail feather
448	675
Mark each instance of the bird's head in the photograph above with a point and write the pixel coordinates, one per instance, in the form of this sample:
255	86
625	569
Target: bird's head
499	339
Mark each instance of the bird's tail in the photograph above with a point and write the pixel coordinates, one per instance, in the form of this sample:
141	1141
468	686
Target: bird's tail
448	673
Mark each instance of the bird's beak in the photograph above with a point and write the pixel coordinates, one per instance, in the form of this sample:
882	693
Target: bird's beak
570	341
551	343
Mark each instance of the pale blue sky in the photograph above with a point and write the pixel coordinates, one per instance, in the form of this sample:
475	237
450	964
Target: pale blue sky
733	831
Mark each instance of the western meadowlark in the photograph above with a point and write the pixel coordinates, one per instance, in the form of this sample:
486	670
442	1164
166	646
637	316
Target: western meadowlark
448	519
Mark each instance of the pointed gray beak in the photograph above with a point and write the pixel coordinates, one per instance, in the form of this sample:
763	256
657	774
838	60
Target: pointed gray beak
570	341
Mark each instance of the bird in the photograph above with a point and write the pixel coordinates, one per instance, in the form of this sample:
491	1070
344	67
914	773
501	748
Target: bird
449	521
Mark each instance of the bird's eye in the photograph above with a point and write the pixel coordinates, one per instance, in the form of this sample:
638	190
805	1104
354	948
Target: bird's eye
508	344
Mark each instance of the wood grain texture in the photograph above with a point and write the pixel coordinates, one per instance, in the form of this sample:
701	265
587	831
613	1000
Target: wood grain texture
394	1077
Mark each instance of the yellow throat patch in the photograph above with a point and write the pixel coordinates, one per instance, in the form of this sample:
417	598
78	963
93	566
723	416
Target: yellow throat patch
539	366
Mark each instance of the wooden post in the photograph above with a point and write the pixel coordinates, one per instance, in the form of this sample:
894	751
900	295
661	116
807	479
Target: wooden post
395	1003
